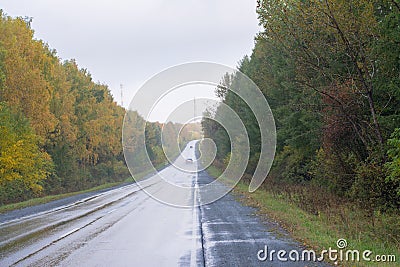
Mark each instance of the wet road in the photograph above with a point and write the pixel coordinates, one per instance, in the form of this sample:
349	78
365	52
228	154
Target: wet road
126	227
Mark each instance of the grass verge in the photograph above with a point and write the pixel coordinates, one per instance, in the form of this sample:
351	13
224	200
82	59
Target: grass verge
320	231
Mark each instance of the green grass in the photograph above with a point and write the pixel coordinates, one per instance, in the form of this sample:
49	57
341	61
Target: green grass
213	171
318	231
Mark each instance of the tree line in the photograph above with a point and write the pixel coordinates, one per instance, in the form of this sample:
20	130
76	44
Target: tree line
330	72
59	130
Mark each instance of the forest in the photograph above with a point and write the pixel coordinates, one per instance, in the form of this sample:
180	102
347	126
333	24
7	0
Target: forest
330	71
60	131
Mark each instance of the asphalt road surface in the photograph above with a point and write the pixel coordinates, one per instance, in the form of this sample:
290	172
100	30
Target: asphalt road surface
127	227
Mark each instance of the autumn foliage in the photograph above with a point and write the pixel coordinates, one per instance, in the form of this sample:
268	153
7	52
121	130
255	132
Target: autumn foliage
330	72
60	131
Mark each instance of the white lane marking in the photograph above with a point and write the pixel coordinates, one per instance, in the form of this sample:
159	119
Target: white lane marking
195	219
70	232
67	206
111	211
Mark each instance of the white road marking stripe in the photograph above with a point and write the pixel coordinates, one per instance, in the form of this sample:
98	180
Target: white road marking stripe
193	256
111	211
70	232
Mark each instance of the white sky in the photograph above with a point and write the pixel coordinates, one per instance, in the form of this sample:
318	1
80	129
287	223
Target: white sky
127	42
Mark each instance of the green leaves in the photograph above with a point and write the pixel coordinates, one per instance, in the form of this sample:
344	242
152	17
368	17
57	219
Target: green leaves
330	72
393	165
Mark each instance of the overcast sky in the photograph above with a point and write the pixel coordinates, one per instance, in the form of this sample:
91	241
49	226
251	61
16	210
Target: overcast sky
127	42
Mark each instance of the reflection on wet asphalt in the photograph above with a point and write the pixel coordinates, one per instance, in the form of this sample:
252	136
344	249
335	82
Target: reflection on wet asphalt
126	227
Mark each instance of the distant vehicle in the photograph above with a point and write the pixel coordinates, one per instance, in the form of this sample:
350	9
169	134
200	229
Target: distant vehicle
191	146
189	160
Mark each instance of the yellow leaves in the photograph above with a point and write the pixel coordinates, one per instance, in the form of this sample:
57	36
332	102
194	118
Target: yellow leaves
67	115
25	88
20	157
11	156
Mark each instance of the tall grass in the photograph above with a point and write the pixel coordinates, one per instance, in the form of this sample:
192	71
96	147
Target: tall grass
318	218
